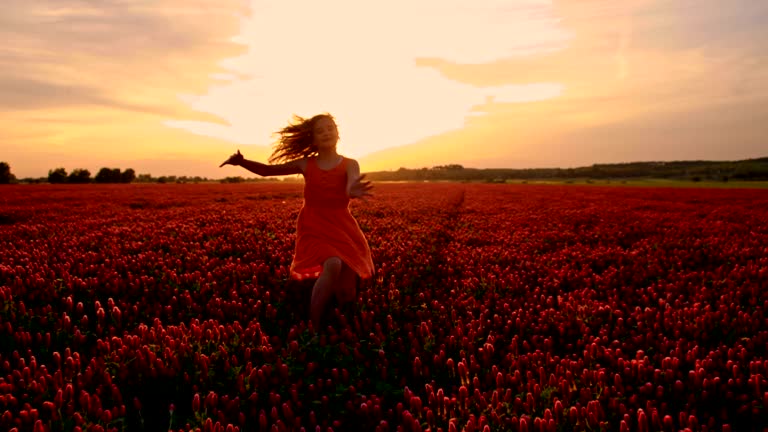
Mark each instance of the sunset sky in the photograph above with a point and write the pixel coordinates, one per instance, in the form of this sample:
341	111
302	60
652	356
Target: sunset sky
173	87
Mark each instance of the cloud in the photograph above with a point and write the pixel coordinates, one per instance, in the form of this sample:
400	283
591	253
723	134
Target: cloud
359	61
34	95
100	69
642	79
133	56
492	82
631	50
729	132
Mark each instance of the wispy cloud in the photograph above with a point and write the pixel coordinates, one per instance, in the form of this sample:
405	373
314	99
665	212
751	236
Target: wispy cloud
627	49
622	55
99	68
360	61
642	79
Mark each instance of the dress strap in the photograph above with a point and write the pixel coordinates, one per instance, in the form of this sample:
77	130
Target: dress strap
342	163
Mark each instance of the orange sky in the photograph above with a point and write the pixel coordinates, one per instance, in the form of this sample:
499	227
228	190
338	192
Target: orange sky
172	87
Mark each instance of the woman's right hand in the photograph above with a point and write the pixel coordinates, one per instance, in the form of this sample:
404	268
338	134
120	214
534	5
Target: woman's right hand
235	159
360	188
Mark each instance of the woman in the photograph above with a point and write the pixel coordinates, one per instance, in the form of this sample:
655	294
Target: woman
329	243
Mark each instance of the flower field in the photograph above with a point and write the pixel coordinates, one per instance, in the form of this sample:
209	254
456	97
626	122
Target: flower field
493	308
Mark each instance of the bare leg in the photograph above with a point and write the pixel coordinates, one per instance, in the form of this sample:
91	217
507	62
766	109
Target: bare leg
323	290
347	286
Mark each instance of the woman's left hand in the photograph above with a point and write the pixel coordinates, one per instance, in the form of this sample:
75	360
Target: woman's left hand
235	159
360	188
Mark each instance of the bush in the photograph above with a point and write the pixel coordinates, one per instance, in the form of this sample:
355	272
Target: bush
6	176
108	175
128	176
57	176
237	179
79	175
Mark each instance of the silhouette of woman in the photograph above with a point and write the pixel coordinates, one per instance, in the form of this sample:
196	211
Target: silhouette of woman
329	243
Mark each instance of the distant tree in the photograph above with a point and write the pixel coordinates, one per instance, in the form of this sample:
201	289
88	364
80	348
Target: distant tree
79	175
144	178
103	176
56	176
237	179
108	175
6	176
450	167
128	176
34	180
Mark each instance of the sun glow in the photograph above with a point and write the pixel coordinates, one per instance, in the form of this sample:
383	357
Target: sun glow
360	64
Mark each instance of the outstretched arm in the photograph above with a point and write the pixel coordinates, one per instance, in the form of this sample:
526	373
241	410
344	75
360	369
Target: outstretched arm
265	170
356	187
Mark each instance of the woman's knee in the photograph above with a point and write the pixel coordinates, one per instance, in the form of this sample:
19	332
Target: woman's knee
333	266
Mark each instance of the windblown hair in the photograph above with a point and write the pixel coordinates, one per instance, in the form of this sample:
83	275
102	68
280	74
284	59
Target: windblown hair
296	140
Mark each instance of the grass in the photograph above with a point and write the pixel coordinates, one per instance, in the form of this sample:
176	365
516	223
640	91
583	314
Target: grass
649	182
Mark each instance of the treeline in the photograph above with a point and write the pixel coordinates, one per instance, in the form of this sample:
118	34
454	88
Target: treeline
109	175
112	175
82	176
77	176
749	169
745	170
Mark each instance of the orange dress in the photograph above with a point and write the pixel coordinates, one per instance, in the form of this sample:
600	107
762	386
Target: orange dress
325	228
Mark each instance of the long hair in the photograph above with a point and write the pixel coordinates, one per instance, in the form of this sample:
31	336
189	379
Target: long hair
297	139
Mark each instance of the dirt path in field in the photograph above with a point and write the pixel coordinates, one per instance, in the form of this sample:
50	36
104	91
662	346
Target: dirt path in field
442	237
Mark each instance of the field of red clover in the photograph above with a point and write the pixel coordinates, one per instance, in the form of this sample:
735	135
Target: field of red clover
493	307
